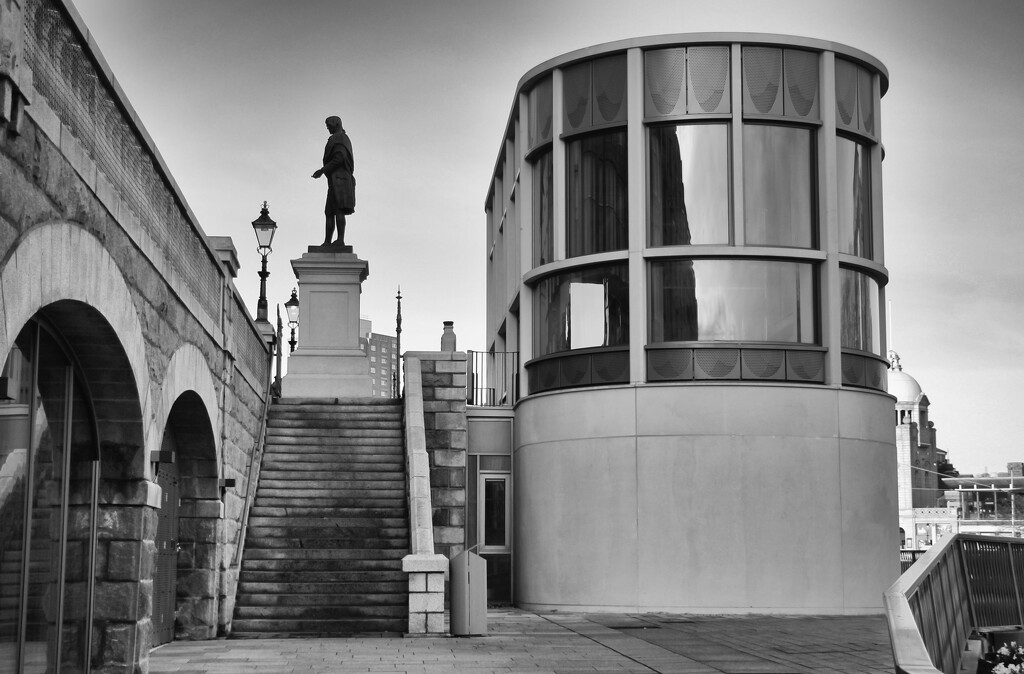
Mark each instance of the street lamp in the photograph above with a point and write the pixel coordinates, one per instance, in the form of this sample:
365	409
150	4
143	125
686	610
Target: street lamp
292	308
264	228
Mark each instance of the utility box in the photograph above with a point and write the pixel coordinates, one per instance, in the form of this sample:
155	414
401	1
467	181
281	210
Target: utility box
468	578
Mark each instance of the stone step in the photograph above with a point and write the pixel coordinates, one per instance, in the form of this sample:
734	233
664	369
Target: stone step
303	510
297	418
285	492
377	544
327	427
336	501
330	565
319	523
334	402
334	443
339	555
392	610
323	594
359	534
260	576
388	431
277	629
329	484
355	468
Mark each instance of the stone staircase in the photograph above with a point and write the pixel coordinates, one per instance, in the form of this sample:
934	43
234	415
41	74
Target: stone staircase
329	525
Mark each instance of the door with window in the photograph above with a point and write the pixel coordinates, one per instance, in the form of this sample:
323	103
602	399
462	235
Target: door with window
494	532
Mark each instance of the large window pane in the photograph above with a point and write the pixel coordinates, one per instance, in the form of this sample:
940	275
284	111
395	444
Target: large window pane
543	210
14	443
689	184
853	174
582	308
596	194
861	327
732	300
778	202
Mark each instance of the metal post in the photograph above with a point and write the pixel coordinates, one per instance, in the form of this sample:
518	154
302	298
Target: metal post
398	344
261	304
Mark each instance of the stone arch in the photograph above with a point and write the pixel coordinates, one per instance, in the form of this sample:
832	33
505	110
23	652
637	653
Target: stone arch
189	398
62	271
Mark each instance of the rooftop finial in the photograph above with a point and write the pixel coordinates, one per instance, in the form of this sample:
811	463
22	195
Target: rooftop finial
894	358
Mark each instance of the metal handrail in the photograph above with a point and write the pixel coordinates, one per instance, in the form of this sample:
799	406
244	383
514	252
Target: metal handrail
256	460
956	588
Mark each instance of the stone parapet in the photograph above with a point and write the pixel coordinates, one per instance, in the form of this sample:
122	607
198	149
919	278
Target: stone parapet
443	376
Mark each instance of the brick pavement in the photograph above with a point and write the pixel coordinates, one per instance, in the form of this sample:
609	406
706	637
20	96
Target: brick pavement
520	641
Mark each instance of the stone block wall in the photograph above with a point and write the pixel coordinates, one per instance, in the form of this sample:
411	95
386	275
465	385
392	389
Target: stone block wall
447	435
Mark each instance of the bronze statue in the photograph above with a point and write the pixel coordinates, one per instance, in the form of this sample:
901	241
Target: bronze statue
339	166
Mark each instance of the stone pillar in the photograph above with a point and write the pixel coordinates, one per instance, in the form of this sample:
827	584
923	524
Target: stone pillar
125	555
426	593
198	582
328	361
447	438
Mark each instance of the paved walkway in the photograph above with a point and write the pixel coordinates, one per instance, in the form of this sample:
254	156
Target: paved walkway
519	641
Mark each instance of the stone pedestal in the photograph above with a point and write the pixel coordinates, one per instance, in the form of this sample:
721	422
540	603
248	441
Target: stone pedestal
328	361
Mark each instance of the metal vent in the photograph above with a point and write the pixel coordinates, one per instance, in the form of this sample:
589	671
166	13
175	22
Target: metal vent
575	370
576	96
805	366
853	370
763	364
716	363
846	92
762	80
610	89
664	70
708	75
611	368
543	376
801	83
669	364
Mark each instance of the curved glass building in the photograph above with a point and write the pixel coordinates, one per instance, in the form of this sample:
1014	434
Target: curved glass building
685	247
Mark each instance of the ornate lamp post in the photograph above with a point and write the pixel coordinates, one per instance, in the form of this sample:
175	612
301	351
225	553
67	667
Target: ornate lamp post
292	308
264	228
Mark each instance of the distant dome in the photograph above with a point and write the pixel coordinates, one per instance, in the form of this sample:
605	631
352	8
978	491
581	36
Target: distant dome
901	385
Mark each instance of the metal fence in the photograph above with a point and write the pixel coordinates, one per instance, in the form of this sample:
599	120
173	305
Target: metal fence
965	584
493	378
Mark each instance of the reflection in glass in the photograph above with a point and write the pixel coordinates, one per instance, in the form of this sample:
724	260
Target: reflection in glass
689	184
596	194
777	190
582	308
495	520
732	300
861	328
14	443
540	113
543	209
853	174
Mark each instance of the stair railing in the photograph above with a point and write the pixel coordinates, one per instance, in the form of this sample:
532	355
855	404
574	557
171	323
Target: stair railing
255	461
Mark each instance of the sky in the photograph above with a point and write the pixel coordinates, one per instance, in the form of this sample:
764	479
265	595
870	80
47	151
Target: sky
234	94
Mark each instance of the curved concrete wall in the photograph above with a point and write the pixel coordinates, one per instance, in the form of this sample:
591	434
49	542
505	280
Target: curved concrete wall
706	498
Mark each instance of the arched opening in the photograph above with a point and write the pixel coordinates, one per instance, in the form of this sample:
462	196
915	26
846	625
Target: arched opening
70	436
187	572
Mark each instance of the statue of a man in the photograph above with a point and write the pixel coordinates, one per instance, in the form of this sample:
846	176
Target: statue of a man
339	167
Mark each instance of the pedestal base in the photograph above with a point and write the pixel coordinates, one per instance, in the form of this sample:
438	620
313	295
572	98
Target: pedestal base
321	374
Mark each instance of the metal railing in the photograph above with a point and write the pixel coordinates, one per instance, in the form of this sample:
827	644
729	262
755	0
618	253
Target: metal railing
493	378
962	585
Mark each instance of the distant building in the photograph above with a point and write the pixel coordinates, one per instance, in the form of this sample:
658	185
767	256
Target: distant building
935	500
383	353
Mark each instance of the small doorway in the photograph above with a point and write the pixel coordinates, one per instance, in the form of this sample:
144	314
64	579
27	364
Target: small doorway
166	570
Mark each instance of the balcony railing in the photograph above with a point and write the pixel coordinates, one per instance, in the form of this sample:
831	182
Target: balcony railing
963	585
493	378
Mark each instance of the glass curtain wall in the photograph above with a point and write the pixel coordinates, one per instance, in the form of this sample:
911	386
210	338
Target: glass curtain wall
732	300
778	174
596	193
582	308
543	209
853	174
688	184
48	485
861	329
